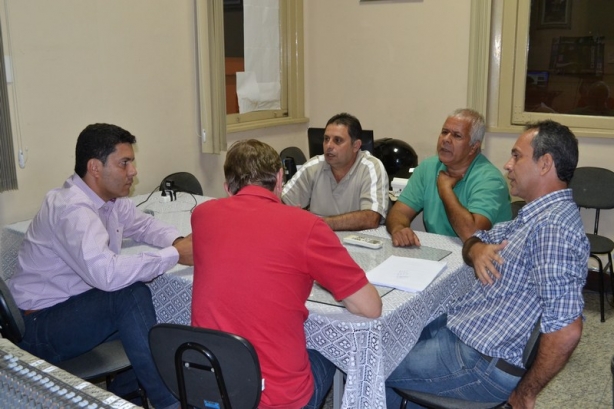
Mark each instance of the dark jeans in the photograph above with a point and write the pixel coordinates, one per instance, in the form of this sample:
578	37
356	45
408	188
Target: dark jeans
82	322
323	372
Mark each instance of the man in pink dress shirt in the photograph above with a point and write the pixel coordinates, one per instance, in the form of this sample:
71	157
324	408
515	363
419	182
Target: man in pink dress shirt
74	288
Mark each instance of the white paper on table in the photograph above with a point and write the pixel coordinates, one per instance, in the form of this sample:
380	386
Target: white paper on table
404	273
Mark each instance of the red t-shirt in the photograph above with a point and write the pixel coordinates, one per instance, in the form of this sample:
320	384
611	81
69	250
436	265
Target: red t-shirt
255	260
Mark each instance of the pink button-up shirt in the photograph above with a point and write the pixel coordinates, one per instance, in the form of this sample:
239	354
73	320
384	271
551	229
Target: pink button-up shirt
74	242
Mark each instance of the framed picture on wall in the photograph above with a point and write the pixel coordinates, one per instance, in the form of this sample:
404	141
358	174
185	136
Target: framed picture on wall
554	14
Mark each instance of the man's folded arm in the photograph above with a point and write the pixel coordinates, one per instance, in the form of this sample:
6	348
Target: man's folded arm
357	220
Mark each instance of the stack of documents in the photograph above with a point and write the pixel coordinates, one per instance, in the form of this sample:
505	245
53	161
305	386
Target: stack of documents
404	273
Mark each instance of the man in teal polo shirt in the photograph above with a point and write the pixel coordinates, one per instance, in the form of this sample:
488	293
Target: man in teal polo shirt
458	190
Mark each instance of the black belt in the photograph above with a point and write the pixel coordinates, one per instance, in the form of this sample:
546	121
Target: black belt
506	366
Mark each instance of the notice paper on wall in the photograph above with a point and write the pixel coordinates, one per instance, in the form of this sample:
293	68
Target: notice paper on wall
404	273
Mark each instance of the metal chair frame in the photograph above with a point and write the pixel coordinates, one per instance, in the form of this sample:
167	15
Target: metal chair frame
182	365
294	153
206	368
593	188
182	182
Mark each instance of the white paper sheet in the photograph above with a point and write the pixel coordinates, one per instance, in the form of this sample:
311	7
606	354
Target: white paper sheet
404	273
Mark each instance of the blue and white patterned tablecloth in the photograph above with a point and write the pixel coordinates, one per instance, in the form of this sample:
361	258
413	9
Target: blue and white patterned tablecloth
366	350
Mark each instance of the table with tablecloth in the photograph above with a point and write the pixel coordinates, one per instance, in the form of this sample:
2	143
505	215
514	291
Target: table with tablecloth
366	350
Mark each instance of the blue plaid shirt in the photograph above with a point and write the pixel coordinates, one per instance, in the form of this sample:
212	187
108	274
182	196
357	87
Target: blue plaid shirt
543	273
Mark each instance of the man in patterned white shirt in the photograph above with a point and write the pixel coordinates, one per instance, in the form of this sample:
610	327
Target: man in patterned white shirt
346	186
533	267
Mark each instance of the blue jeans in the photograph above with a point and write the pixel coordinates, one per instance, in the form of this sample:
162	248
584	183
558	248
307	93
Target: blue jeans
323	372
82	322
440	363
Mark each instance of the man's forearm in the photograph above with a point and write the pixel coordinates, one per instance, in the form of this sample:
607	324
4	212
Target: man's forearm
358	220
467	248
396	220
554	351
461	219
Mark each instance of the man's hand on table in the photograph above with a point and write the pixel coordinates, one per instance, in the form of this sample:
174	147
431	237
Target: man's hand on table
404	237
184	248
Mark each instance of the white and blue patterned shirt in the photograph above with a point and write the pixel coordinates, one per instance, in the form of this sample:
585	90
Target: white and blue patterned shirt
543	273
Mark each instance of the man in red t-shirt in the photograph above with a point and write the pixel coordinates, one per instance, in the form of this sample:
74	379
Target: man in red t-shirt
255	261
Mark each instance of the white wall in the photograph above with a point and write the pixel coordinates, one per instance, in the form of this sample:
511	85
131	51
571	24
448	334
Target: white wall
132	63
80	62
399	66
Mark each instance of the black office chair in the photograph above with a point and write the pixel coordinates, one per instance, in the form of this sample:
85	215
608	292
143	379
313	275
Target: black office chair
295	153
593	188
315	138
205	368
516	206
101	363
432	401
182	182
290	157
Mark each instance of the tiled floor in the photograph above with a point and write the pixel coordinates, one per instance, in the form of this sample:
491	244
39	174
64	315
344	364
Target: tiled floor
586	381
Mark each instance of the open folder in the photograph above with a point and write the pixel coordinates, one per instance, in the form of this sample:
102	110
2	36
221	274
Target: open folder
404	273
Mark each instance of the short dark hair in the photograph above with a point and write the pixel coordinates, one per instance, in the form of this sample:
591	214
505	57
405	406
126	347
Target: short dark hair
98	141
251	162
350	121
559	142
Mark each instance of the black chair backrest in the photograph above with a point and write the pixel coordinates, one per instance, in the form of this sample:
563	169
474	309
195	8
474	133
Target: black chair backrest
530	350
295	153
183	182
516	206
204	367
593	187
315	136
12	326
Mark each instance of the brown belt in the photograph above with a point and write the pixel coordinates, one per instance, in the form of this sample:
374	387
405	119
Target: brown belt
28	312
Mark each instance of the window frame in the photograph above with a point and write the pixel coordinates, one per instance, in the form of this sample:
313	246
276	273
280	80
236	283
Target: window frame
501	41
215	124
8	170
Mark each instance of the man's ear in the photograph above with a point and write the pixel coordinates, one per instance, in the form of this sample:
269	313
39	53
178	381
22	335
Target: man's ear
279	183
94	167
356	145
227	189
475	147
546	164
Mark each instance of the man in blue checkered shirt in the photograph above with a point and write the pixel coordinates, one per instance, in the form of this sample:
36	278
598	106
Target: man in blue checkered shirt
533	267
